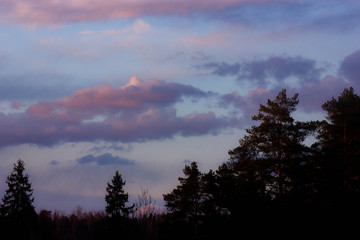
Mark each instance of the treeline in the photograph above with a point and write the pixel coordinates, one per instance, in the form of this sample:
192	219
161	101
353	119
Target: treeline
274	183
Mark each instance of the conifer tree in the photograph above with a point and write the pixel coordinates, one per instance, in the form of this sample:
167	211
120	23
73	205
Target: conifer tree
18	200
116	198
340	143
185	200
273	151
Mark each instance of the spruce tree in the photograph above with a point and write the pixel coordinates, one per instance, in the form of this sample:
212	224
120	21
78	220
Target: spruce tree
116	198
18	200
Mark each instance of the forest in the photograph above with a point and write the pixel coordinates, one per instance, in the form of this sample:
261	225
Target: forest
274	183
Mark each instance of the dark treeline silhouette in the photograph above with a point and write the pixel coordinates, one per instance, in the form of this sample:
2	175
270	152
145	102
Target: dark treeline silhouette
274	183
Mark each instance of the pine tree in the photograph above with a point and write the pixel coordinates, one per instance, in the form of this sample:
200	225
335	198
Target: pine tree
273	151
185	200
18	200
340	142
116	198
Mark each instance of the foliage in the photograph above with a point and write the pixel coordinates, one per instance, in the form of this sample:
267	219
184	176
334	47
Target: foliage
272	159
17	204
18	200
338	157
185	201
340	138
116	198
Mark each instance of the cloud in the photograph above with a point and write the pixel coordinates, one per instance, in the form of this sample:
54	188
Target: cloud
54	163
136	112
311	96
16	105
280	68
313	90
246	105
252	13
138	27
222	69
350	68
44	12
87	103
105	159
99	147
263	71
325	15
315	94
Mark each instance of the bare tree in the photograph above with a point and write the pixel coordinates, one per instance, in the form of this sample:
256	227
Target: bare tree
145	206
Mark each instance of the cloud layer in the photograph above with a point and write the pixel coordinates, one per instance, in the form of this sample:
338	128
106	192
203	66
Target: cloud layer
44	12
256	12
105	159
314	89
147	110
262	71
135	112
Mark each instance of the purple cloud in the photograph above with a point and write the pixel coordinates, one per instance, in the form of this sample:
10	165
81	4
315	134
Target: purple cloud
262	71
105	159
246	105
135	112
280	68
222	69
311	96
350	68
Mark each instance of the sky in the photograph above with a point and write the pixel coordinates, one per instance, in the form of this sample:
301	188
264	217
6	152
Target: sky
89	87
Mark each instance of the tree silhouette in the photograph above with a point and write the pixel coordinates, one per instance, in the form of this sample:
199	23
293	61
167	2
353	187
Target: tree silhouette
145	206
272	158
338	181
185	200
17	207
116	198
340	141
18	200
184	203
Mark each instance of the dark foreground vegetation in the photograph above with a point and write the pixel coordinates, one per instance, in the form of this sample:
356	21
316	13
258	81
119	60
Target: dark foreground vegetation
272	185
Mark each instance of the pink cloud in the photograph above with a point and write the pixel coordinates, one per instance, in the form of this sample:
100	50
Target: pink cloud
52	13
105	99
137	111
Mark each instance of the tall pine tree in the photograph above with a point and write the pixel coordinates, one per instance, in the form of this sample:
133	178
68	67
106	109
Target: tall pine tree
18	200
340	142
273	152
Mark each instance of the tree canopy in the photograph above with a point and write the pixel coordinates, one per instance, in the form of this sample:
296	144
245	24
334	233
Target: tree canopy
185	200
116	198
18	199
